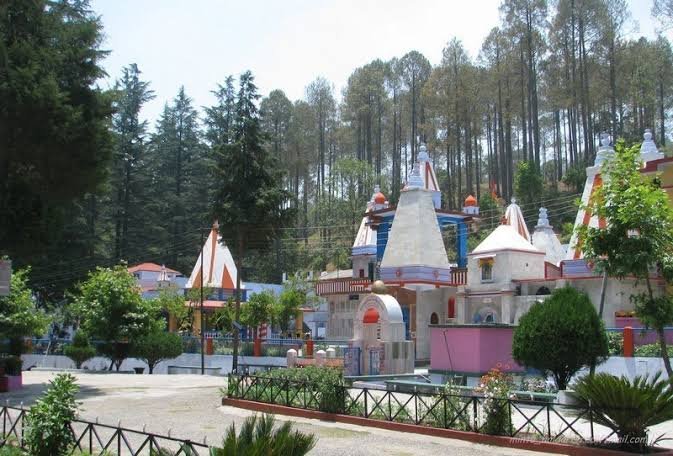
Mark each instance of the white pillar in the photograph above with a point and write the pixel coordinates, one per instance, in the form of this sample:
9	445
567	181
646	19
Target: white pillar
507	304
320	358
461	306
291	357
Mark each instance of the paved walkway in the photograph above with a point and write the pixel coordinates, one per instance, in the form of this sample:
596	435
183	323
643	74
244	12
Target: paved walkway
188	405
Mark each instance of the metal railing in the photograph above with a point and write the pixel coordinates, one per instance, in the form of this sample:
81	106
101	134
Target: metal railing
192	344
101	439
517	418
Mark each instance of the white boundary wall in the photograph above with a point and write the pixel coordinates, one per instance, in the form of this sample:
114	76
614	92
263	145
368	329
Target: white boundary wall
223	362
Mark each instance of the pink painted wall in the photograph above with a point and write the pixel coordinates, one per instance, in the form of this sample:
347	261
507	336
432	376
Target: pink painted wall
472	349
15	382
641	337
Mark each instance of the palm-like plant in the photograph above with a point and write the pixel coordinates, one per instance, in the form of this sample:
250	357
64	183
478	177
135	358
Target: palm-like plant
627	407
257	437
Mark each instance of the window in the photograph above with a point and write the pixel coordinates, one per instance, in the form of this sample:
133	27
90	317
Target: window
434	319
543	291
487	272
362	273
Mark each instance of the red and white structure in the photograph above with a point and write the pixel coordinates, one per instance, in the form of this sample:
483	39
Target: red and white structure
219	269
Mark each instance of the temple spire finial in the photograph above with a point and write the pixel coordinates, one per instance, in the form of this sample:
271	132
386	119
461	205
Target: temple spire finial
648	149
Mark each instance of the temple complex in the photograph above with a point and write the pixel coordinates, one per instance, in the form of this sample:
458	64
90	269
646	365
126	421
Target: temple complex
495	284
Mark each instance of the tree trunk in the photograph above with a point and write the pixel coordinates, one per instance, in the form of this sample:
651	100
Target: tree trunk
613	89
601	307
660	333
662	113
524	128
237	311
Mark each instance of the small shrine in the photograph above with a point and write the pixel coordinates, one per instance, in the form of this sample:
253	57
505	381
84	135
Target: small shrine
379	335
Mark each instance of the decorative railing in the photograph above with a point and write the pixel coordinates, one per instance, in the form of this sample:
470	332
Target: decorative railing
517	418
102	439
458	276
341	286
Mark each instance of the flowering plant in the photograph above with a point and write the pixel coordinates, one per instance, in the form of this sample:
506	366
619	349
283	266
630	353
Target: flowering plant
495	386
535	385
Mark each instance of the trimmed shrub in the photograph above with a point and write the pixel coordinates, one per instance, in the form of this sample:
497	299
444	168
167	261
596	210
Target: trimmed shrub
560	336
11	365
80	350
156	346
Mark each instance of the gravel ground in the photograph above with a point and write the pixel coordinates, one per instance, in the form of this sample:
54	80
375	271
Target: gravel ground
188	405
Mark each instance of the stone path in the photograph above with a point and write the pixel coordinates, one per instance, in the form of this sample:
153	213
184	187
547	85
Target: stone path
188	405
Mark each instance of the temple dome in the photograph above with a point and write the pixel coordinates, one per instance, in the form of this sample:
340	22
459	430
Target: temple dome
371	316
505	237
470	201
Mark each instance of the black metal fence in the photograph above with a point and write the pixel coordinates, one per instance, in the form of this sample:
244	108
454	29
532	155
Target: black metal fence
523	419
102	439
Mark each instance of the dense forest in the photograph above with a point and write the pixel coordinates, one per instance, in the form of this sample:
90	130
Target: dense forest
85	182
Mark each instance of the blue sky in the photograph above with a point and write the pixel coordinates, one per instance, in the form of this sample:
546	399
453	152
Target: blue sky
286	43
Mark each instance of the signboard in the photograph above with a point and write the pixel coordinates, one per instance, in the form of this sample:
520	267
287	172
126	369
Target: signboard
5	276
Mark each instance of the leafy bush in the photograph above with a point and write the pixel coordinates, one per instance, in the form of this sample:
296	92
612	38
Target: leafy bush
48	433
560	335
327	382
19	316
156	346
457	416
257	436
615	343
627	407
11	365
649	350
310	387
11	451
113	311
80	350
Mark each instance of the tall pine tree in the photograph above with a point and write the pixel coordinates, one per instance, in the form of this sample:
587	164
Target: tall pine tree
54	138
250	202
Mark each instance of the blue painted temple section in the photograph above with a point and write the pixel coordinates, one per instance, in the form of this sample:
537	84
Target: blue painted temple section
443	219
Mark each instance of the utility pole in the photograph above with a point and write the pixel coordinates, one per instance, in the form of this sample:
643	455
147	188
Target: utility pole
203	336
